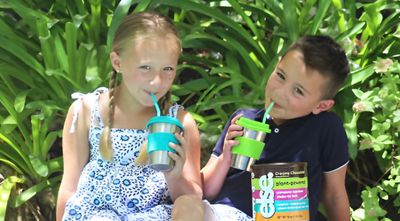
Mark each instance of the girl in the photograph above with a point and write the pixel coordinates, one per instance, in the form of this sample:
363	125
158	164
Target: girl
100	147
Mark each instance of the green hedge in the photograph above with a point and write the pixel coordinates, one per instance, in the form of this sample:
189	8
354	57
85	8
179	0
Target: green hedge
50	49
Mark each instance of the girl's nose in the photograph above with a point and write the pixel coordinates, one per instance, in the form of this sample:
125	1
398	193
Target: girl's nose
156	81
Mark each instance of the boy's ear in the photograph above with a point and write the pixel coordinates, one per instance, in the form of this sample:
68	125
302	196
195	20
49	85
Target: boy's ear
115	60
323	105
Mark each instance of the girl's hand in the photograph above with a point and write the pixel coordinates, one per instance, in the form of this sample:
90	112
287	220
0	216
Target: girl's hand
179	157
234	130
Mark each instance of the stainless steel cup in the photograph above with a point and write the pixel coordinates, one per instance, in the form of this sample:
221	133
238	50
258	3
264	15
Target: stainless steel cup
243	162
159	159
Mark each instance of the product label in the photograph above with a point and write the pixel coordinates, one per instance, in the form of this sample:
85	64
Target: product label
280	195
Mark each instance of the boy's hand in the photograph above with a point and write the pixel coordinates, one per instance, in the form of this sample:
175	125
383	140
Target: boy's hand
179	157
234	130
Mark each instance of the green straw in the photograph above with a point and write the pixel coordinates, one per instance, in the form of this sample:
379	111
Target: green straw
153	97
267	111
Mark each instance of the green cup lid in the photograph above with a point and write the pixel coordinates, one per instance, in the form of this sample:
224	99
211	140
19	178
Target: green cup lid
253	125
164	119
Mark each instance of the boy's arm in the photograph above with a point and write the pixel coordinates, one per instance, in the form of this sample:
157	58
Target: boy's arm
334	195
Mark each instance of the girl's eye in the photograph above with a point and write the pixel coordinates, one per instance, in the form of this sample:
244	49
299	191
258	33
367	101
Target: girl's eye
169	69
145	67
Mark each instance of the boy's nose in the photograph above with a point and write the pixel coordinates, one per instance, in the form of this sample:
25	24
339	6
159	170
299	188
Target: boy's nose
281	92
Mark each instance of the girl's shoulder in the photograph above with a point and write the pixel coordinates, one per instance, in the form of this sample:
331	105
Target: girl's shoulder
176	110
185	117
83	105
87	101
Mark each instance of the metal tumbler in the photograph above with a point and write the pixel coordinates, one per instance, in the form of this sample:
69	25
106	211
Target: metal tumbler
251	143
161	132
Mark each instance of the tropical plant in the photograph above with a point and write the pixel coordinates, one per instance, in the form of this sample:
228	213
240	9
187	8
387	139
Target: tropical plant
51	48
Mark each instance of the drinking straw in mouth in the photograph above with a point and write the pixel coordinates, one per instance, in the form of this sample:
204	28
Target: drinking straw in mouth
267	111
153	97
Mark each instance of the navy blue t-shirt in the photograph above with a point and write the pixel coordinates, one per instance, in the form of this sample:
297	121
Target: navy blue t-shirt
320	140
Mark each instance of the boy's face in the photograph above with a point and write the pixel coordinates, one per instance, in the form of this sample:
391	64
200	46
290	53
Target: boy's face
296	89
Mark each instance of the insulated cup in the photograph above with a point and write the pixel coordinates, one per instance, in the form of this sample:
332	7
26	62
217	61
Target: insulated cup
251	143
161	132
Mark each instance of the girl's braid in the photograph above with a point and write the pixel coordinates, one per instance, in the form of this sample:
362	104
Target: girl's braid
165	103
106	149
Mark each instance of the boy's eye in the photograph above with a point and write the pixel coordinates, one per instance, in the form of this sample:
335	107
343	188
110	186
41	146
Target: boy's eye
280	75
298	91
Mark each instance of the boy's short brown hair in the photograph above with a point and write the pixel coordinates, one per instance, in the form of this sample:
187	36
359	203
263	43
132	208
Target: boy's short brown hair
326	56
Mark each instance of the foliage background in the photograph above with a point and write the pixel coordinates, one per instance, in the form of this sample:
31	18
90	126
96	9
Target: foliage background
50	49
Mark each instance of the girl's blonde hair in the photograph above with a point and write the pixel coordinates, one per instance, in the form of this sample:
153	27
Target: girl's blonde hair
134	25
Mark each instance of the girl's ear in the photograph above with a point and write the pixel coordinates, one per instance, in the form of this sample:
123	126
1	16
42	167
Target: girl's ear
323	105
115	61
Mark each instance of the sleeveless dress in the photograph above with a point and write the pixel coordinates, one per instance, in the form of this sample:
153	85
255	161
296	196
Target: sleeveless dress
119	190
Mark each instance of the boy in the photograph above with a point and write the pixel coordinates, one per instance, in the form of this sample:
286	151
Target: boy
302	87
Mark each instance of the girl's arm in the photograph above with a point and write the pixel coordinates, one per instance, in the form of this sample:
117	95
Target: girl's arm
334	195
75	153
216	169
184	178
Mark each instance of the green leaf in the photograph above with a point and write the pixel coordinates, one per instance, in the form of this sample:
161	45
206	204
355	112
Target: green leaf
196	86
356	29
359	93
61	55
55	165
29	193
12	164
221	17
322	9
9	120
359	76
71	33
21	53
19	102
12	149
5	189
396	115
9	70
35	122
236	77
40	168
119	14
47	47
48	142
27	14
236	6
351	131
143	5
291	19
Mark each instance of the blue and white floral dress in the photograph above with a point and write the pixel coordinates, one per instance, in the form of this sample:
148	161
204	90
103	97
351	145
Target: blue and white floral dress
119	190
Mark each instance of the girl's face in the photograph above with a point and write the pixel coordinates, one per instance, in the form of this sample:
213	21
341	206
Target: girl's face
148	65
296	89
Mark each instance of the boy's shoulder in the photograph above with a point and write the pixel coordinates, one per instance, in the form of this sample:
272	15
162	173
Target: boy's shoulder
327	123
327	117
